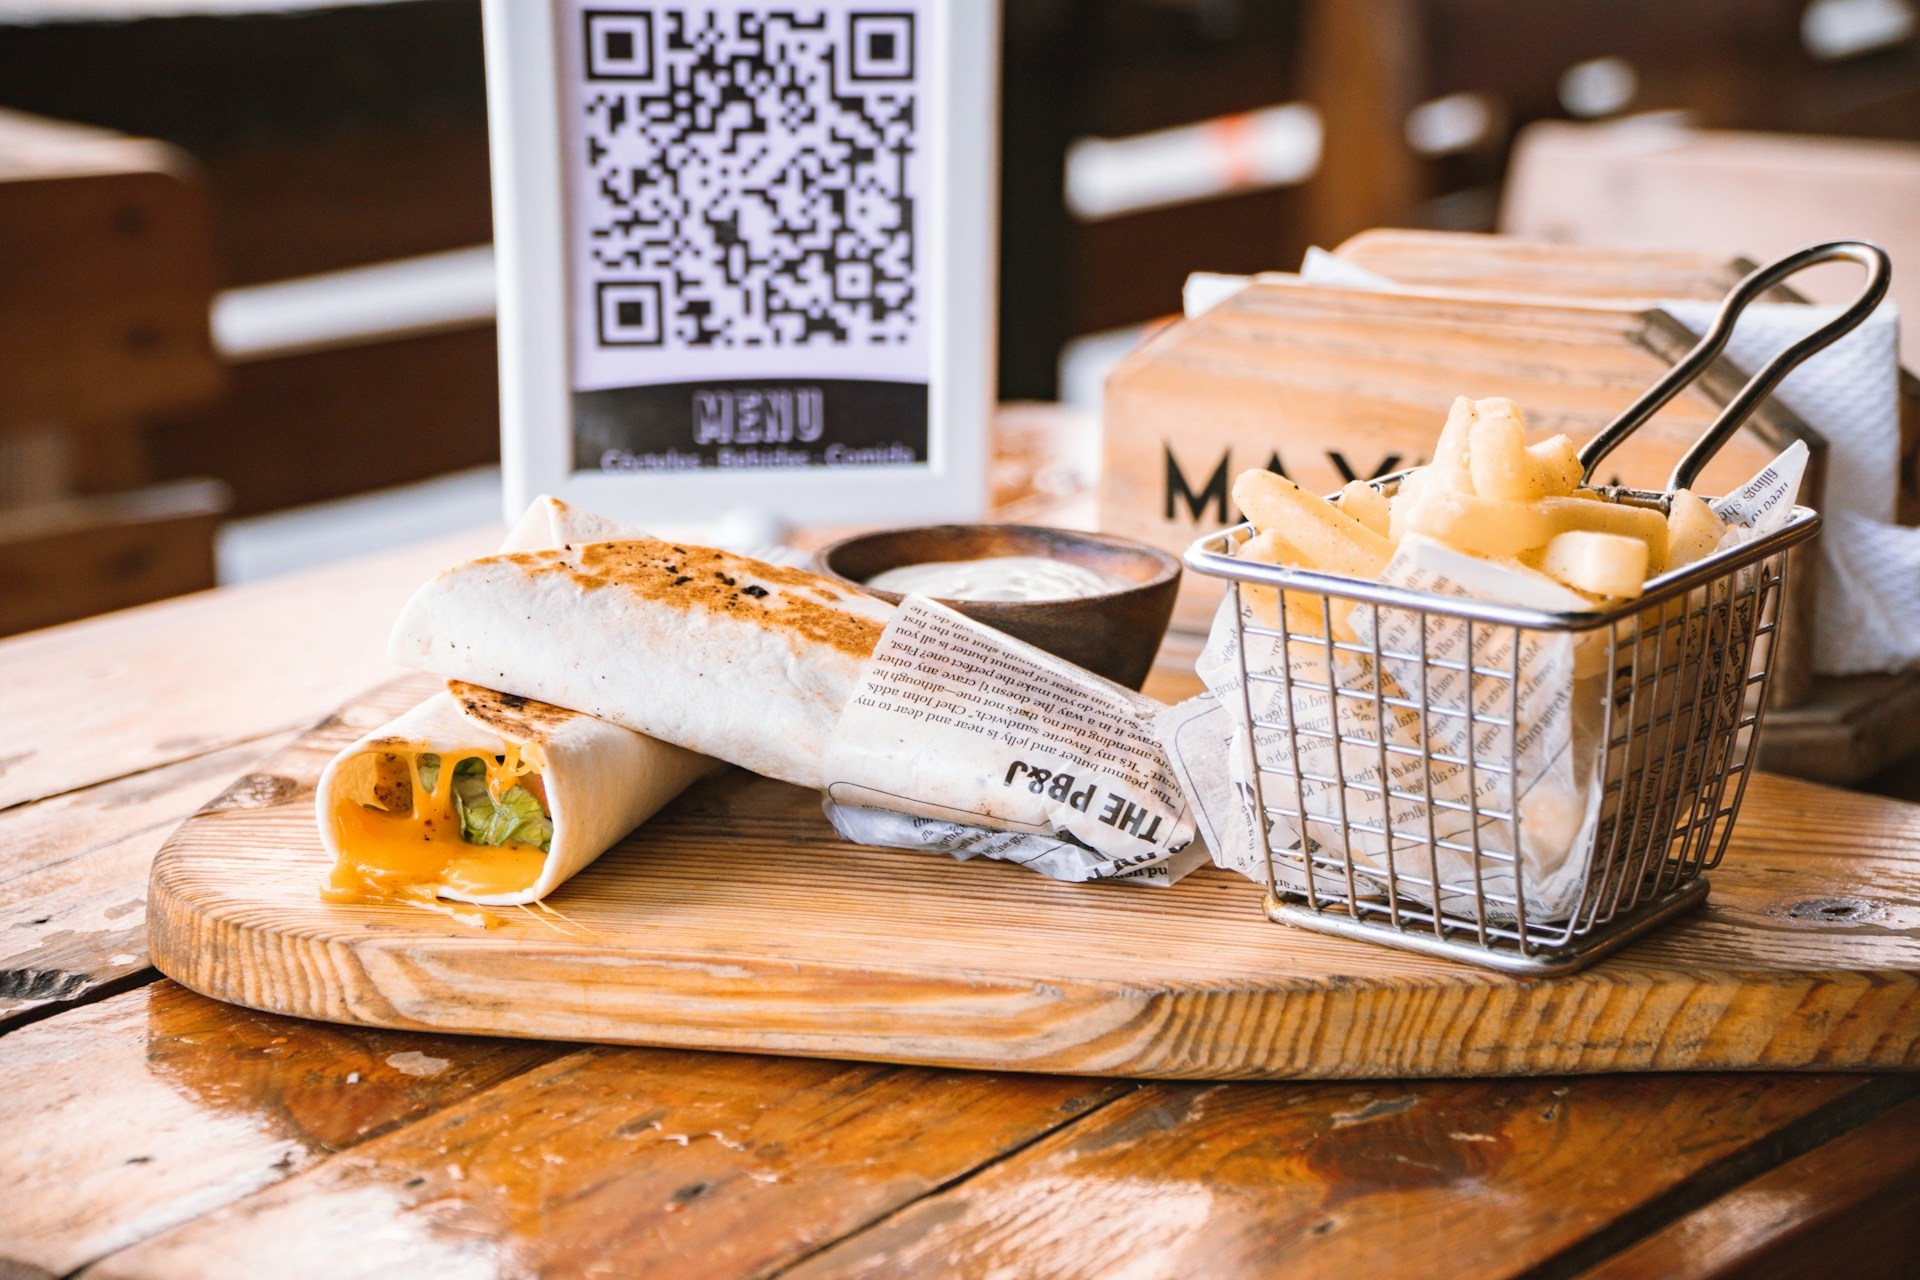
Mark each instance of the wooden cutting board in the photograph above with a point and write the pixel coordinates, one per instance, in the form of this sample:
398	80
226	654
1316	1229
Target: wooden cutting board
736	920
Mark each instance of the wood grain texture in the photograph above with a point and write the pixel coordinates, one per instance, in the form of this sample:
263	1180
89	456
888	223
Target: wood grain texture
148	1109
1320	377
112	696
1855	1198
1848	729
73	887
629	1163
1444	1178
736	920
1510	264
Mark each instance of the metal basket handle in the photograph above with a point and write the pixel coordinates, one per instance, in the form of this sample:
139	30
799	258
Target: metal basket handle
1757	282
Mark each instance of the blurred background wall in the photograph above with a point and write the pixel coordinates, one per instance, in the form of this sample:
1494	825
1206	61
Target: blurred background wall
321	172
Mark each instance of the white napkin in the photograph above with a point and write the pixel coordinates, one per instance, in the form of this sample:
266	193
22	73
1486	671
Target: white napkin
1867	615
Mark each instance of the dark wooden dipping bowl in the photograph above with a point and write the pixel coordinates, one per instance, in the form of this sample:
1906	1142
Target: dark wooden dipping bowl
1115	635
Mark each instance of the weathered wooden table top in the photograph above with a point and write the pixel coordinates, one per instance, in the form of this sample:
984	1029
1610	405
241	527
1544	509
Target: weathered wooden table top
151	1132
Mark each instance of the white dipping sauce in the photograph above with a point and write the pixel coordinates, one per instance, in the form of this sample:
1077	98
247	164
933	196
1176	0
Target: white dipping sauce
999	578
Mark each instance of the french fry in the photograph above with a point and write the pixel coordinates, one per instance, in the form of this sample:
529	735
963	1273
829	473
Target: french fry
1557	465
1266	548
1304	612
1405	500
1326	539
1486	493
1693	530
1364	503
1601	564
1451	468
1644	523
1497	456
1479	526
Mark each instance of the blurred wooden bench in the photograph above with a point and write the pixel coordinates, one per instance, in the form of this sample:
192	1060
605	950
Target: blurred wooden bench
75	557
325	138
106	275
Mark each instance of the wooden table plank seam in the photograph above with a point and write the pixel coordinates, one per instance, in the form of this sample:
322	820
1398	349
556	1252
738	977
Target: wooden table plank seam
234	663
960	1180
1857	1196
21	983
74	886
593	1154
1836	1120
1322	1179
201	751
174	1105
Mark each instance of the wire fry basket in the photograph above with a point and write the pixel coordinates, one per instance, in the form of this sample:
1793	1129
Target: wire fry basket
1681	694
1389	776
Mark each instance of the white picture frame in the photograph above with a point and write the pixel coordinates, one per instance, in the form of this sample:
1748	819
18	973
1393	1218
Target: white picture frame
539	297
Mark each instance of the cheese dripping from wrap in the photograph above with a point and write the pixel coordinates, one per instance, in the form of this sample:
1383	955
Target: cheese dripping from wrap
495	799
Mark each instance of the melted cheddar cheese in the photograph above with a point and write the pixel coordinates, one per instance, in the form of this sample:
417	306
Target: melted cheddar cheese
387	854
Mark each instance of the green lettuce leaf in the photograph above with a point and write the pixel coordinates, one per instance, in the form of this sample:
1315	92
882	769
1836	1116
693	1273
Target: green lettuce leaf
429	766
516	815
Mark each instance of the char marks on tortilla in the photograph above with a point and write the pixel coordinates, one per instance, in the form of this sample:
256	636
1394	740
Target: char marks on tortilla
717	653
805	605
509	714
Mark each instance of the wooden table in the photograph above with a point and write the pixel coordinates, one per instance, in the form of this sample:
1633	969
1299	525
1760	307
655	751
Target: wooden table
151	1132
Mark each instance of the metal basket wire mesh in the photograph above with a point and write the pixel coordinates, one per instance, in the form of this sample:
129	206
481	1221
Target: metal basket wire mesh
1398	838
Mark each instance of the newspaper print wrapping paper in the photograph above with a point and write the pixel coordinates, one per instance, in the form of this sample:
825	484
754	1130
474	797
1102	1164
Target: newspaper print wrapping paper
966	726
1052	857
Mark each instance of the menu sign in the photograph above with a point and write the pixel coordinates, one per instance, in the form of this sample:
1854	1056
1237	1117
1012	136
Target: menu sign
748	201
767	263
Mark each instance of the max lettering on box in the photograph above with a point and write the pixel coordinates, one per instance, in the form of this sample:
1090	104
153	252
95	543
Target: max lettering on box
1180	494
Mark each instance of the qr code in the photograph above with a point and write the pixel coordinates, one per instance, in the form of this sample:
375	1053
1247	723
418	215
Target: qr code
750	176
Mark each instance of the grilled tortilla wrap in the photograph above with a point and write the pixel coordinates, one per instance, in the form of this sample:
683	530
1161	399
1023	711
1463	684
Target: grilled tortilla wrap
488	798
549	523
721	654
